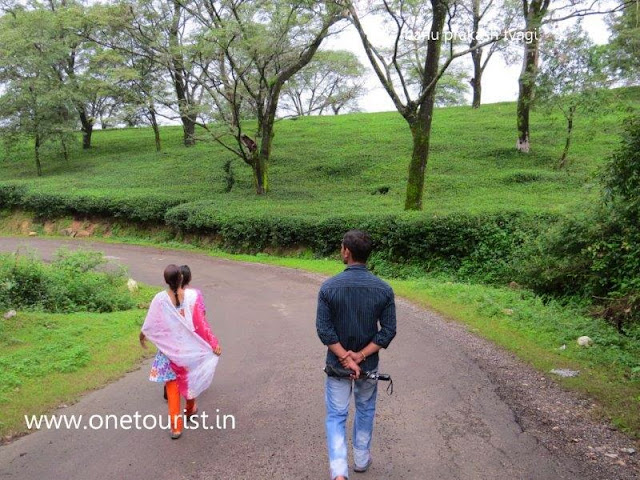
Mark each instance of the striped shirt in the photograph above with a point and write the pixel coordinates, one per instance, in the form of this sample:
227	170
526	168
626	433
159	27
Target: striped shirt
350	307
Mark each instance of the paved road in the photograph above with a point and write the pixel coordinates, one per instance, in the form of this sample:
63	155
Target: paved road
444	420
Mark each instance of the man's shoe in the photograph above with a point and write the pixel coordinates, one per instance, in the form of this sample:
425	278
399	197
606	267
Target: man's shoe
175	435
358	469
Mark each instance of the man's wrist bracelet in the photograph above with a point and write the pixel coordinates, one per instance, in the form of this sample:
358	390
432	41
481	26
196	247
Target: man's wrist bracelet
364	357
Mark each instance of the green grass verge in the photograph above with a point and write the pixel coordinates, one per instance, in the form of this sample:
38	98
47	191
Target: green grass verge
516	320
521	323
50	359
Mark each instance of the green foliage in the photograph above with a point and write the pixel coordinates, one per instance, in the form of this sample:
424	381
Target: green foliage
624	48
34	100
12	195
452	87
151	208
597	254
47	359
325	166
622	177
572	78
73	282
473	246
483	204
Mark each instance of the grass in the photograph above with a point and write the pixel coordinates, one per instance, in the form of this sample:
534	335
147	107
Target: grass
50	359
339	165
334	165
521	323
516	320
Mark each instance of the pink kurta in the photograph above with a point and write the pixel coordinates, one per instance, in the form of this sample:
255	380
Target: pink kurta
191	355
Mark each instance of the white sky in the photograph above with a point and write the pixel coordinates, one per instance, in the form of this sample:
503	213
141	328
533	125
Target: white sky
499	81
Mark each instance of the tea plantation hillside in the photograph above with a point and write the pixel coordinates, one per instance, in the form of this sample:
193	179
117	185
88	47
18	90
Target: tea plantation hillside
341	165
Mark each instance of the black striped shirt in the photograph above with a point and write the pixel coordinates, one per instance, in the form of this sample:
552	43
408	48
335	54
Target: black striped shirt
350	307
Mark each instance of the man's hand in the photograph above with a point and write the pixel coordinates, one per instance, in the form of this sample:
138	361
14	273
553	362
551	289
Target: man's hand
355	356
348	362
218	350
344	361
351	365
142	340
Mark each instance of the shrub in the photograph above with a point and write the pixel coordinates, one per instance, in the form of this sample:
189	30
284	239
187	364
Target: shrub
11	195
473	246
597	254
73	282
148	208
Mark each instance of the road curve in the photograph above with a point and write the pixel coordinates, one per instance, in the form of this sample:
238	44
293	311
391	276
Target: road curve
444	420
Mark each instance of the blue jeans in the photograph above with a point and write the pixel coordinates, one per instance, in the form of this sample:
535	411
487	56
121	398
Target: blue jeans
337	396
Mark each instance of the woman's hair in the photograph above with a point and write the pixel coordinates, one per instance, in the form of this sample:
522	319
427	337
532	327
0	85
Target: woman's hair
173	277
186	275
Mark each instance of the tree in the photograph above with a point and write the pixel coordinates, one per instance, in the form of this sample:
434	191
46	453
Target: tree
259	45
417	31
160	35
624	46
82	85
533	13
333	80
66	20
536	14
135	82
34	102
571	78
483	13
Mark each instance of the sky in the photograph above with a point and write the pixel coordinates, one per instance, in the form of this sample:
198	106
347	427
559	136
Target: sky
499	82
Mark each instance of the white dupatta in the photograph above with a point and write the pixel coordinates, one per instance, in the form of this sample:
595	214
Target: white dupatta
191	356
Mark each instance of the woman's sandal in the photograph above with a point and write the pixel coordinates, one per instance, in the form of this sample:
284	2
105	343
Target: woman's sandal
192	414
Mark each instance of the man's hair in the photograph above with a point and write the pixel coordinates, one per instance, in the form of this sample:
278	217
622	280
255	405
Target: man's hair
359	244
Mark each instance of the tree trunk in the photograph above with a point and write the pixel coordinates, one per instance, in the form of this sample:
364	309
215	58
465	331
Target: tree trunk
476	57
420	123
527	79
189	131
565	152
476	85
37	155
421	134
261	158
179	83
260	173
525	95
87	129
156	130
65	150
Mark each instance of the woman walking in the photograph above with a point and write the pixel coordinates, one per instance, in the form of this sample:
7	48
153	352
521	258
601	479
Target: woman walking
185	361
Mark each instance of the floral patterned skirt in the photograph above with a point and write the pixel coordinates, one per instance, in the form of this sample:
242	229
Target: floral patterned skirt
161	370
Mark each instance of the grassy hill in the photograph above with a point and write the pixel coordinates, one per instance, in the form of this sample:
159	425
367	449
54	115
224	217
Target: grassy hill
333	165
326	169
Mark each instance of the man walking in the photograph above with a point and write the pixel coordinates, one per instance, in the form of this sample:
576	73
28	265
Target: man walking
356	318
